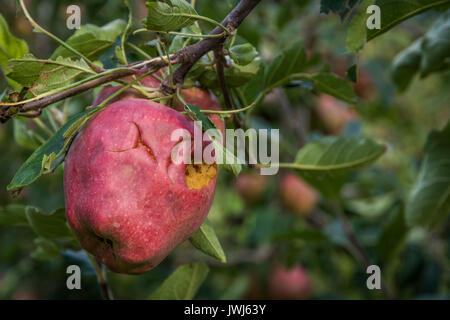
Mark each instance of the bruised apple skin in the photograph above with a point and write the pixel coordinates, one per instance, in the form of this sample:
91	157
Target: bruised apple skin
128	204
199	97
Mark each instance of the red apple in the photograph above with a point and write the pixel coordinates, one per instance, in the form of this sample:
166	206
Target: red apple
289	284
334	114
251	186
297	195
128	204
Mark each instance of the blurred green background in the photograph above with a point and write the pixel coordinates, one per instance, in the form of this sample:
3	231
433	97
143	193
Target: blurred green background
262	233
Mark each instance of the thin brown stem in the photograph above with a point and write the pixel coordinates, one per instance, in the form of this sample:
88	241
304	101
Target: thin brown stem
220	70
291	117
103	282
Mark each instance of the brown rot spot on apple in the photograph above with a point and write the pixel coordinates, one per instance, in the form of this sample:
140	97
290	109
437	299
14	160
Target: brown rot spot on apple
199	176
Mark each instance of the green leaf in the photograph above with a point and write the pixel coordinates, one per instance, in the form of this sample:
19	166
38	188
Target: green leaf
429	200
334	86
405	65
46	249
436	46
352	73
180	42
183	283
169	16
428	54
372	207
357	29
50	226
254	87
243	54
43	159
395	11
13	215
91	40
205	240
393	234
24	136
235	76
195	113
40	76
231	162
289	61
10	46
325	162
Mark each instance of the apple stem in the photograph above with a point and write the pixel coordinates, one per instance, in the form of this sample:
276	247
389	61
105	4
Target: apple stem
103	283
101	278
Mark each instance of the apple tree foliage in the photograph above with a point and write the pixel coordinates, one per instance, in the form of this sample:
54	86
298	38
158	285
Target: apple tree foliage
331	164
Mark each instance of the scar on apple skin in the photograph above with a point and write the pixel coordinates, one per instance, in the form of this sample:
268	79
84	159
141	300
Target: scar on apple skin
198	176
139	143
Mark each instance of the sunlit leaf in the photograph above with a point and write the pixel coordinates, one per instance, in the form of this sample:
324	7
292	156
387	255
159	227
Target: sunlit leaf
334	86
35	165
169	16
49	226
40	76
10	46
325	162
205	240
91	40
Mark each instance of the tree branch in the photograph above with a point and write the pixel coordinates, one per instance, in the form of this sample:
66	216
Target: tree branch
291	117
186	57
220	70
194	52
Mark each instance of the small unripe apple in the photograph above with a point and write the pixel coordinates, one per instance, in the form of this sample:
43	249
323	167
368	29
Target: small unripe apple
289	284
296	195
127	202
251	186
334	114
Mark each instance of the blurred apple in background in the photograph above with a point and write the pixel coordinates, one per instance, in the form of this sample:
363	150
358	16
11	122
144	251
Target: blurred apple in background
251	186
289	284
334	114
296	195
365	87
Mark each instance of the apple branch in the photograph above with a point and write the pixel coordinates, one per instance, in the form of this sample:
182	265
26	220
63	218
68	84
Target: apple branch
185	57
194	52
